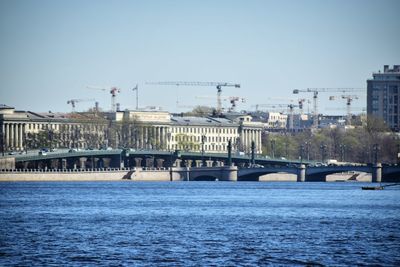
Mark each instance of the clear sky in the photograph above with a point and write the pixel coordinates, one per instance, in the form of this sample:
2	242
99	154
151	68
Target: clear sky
51	50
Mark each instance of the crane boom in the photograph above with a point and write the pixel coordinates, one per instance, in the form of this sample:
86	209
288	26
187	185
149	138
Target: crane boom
113	91
74	101
218	85
315	92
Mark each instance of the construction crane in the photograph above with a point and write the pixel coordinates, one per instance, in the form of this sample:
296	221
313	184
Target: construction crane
218	85
113	91
315	92
74	101
300	101
349	99
136	88
291	115
273	106
232	100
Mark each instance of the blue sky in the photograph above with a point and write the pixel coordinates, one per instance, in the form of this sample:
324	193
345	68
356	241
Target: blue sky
51	50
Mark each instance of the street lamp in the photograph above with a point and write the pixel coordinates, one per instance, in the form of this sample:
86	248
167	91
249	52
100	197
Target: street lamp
375	149
273	148
203	139
301	153
308	150
323	152
342	152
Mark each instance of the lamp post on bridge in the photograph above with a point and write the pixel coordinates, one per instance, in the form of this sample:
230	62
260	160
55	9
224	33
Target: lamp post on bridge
273	148
203	139
342	152
323	152
375	149
301	154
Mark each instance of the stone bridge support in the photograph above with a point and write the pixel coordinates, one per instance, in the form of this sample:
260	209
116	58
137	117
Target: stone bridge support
178	163
199	163
301	173
150	162
138	162
82	163
189	163
377	173
160	163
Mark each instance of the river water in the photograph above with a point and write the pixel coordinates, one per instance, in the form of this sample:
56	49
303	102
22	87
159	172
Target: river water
197	224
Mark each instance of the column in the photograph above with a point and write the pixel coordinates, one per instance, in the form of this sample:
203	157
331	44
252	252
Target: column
21	126
246	134
11	136
159	138
7	131
15	145
145	134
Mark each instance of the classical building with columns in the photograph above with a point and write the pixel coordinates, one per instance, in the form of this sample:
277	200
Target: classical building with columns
138	129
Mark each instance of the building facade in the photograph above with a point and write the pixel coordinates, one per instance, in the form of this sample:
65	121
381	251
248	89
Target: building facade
139	129
383	96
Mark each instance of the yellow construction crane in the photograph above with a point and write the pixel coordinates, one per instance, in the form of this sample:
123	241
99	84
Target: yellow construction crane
218	85
113	91
315	92
74	101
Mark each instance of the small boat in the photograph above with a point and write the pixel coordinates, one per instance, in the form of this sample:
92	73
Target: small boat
372	188
380	187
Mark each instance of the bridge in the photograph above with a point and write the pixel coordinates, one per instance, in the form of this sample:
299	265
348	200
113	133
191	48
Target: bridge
248	169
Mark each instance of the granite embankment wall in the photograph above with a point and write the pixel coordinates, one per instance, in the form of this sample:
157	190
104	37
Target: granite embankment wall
87	175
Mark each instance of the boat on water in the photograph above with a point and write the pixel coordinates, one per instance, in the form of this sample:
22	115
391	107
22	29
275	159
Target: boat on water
380	187
372	188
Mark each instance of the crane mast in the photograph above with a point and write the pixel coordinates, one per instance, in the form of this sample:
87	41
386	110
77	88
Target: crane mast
315	92
218	85
349	99
113	91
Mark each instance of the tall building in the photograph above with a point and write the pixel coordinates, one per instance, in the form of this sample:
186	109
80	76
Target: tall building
383	96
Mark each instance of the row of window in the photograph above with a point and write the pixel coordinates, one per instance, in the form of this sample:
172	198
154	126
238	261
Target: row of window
203	130
181	138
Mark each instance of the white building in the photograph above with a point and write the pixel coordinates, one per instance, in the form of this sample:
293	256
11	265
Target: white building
160	130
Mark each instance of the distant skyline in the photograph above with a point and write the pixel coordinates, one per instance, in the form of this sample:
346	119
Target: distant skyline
52	50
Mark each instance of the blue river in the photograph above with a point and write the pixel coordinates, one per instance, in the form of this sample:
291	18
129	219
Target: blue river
198	224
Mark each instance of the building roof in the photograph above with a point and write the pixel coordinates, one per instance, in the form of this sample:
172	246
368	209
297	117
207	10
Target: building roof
202	121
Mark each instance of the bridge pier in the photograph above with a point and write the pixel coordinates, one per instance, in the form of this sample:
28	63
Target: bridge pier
138	162
199	163
178	163
301	173
82	163
150	162
209	163
160	163
189	163
377	173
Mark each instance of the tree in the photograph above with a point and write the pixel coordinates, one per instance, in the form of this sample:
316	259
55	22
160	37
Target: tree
200	111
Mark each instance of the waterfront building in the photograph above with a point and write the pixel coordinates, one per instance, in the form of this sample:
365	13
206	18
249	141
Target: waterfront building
276	120
139	129
383	96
